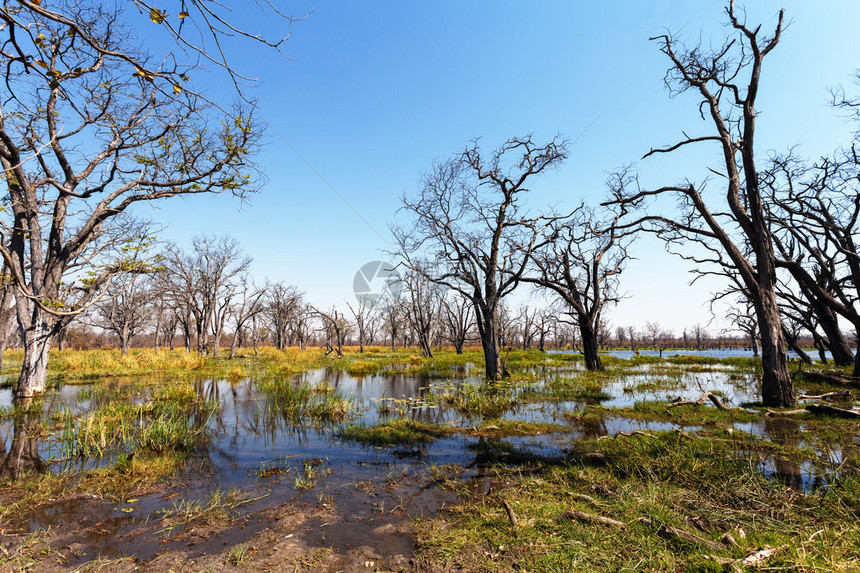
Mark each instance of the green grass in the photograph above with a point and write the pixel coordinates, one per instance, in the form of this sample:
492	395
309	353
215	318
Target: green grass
699	486
394	432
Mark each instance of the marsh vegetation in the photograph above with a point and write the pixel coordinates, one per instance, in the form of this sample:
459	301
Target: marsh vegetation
420	463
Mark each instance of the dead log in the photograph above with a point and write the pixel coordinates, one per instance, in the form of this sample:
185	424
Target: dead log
574	515
832	379
833	411
702	399
669	532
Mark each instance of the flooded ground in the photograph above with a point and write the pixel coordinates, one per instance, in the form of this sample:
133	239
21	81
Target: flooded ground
259	469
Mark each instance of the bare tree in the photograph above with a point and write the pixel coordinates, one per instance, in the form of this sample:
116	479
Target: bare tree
336	328
364	314
125	311
391	311
742	317
736	235
422	307
581	262
202	283
815	211
653	331
284	304
458	318
468	217
248	304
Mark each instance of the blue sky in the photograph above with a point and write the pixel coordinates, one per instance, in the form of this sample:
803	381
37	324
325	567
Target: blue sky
369	93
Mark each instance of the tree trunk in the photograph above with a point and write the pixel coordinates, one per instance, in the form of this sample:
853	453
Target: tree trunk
37	344
839	347
589	345
777	388
754	345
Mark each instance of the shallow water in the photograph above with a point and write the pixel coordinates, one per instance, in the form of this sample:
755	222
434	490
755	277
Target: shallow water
267	456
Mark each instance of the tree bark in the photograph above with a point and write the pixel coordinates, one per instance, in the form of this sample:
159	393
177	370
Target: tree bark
37	344
590	346
776	386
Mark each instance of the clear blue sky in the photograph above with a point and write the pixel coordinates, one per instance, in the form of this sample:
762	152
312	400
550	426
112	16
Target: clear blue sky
371	92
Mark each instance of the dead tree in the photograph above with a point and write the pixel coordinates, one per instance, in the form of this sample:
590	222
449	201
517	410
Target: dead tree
737	234
815	211
741	317
458	318
580	262
468	217
126	311
248	304
336	328
283	305
364	314
422	304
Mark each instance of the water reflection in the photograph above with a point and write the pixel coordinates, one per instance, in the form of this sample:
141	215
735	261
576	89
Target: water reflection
22	453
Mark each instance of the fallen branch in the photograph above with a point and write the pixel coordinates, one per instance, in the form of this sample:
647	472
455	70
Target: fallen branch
586	498
675	533
681	432
840	394
755	559
702	399
774	413
634	433
761	556
574	515
511	515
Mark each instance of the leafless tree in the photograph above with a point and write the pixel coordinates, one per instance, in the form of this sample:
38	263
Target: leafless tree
580	262
284	305
247	305
546	319
125	311
700	334
741	317
815	211
202	283
468	217
391	310
527	318
364	315
422	303
89	135
621	335
736	235
336	328
458	318
7	311
653	331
